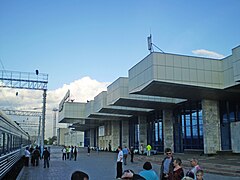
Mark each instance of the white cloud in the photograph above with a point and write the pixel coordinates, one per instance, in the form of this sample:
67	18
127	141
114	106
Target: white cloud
80	90
208	54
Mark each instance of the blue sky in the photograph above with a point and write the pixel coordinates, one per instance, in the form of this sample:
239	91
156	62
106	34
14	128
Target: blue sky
71	39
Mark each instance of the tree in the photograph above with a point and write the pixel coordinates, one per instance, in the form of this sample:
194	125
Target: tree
52	139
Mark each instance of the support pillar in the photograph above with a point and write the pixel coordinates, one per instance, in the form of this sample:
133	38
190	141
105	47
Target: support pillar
168	129
211	126
115	135
142	120
91	143
125	133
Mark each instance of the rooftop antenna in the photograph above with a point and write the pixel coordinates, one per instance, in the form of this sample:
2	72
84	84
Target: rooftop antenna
151	44
149	40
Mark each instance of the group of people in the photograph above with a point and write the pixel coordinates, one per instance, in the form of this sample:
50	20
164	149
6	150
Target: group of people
127	151
148	149
69	152
35	155
171	169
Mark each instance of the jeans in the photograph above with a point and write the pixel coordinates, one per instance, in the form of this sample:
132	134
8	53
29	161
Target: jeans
46	162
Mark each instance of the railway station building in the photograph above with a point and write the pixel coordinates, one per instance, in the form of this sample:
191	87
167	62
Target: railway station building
167	100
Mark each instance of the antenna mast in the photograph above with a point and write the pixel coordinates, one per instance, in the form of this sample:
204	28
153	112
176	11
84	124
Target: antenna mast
151	44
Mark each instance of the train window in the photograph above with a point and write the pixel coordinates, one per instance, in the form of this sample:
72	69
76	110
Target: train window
5	143
1	143
18	142
14	143
11	142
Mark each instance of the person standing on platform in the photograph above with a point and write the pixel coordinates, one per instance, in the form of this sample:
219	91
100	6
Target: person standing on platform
36	156
132	153
46	157
141	149
88	150
64	153
109	146
167	166
125	154
195	167
27	155
149	147
68	151
71	153
31	152
49	150
119	162
75	153
178	172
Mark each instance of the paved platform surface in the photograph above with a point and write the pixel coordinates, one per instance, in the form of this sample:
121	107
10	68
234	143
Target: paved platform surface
102	166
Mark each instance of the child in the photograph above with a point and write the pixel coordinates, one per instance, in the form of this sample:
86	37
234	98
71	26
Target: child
199	174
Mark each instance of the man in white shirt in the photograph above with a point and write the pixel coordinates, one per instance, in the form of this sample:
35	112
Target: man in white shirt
119	163
27	155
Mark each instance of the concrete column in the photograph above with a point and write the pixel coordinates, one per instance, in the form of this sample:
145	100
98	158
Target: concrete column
115	135
125	133
142	120
211	126
91	137
168	129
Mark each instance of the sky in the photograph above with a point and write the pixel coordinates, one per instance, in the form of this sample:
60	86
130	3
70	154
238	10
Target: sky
86	45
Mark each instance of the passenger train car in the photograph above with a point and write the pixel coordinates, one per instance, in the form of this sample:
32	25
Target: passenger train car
13	141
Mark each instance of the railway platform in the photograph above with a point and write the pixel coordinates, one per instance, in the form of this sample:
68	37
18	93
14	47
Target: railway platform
102	166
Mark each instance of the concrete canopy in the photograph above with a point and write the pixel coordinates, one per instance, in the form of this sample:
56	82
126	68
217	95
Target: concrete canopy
125	110
137	103
158	88
88	124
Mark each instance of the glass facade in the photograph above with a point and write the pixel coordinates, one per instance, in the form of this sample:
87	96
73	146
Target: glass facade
188	126
134	132
86	138
229	112
155	130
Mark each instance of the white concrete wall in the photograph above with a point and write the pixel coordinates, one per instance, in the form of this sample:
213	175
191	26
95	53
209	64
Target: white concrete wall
117	89
61	136
120	89
89	108
100	101
178	69
75	138
72	110
231	68
188	70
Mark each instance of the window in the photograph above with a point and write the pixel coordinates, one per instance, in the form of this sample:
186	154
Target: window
1	143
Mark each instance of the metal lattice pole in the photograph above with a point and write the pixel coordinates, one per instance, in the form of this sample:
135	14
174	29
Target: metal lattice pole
43	116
